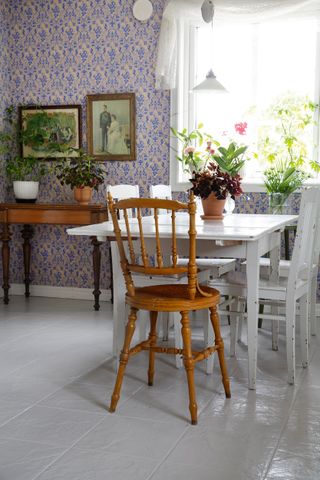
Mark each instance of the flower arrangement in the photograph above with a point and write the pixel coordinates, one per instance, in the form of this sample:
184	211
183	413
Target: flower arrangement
81	171
214	180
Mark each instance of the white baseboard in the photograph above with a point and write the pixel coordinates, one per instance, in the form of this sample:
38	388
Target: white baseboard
58	292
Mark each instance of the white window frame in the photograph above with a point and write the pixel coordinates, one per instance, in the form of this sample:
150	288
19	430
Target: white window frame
182	113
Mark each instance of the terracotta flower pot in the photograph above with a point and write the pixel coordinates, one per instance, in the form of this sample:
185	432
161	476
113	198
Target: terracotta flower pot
212	207
82	195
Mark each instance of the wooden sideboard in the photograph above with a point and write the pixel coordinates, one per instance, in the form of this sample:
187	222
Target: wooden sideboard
28	214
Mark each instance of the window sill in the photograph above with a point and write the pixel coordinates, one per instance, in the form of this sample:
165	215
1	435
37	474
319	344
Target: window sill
248	185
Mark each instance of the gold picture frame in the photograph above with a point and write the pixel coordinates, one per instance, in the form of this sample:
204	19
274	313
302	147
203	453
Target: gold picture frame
111	130
57	125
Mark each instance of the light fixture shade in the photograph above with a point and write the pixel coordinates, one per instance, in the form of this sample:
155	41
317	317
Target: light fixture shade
210	84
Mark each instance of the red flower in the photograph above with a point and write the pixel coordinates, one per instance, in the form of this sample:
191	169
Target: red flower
241	128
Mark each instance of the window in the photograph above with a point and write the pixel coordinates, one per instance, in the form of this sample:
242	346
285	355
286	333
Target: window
256	64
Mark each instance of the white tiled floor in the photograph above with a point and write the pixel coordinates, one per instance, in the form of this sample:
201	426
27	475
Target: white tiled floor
56	377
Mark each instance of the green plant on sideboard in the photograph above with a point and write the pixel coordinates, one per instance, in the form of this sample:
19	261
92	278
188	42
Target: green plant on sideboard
12	137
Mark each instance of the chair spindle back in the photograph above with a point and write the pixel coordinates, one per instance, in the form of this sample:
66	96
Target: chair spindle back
141	227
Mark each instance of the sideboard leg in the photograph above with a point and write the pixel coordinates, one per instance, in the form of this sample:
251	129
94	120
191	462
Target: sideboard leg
96	256
5	237
27	234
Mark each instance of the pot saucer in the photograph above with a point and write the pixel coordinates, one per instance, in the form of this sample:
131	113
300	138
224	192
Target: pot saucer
212	217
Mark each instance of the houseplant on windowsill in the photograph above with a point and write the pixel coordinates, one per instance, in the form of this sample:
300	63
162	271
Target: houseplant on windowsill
83	174
283	147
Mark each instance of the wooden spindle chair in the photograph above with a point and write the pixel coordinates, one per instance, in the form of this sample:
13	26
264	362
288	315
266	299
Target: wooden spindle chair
163	298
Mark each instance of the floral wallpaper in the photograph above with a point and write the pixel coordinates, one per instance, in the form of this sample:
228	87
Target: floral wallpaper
57	52
4	82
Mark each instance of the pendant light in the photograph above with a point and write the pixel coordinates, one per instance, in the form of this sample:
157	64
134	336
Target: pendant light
210	83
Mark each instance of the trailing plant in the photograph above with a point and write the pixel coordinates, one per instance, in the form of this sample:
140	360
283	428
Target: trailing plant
80	171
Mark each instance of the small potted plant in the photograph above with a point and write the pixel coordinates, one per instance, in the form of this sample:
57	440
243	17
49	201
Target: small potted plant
25	173
213	186
83	174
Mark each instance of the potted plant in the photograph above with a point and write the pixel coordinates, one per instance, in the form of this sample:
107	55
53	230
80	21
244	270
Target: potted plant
213	186
83	174
25	173
194	159
283	148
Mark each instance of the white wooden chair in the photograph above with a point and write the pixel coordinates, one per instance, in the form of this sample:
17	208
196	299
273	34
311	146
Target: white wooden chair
288	290
215	267
284	269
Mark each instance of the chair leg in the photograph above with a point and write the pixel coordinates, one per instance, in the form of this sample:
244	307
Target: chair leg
165	326
208	342
312	305
234	327
142	325
290	339
304	337
189	365
177	338
152	340
124	357
214	317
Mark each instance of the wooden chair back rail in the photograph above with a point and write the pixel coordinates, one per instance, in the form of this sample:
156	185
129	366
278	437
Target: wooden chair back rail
132	265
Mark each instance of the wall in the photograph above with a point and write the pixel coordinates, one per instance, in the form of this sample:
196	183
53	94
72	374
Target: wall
57	52
4	83
60	51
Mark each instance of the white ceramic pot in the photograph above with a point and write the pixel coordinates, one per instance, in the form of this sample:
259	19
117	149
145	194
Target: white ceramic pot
25	192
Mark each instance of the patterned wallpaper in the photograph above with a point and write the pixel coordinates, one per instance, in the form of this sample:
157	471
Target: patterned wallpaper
4	82
60	51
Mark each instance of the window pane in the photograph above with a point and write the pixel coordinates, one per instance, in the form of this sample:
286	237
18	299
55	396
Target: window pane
256	64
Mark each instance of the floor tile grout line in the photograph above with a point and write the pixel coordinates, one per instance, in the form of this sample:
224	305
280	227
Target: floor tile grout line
44	398
156	468
286	420
66	450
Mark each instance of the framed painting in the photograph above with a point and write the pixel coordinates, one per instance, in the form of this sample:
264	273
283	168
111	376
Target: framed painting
50	131
111	129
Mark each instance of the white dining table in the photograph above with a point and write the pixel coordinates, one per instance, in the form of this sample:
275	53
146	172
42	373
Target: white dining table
244	236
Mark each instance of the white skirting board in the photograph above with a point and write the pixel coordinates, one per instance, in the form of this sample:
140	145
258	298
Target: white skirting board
58	292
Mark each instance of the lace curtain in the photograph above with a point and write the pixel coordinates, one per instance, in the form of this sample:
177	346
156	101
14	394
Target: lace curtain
226	11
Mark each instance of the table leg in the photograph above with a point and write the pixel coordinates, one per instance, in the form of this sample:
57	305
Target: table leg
27	234
5	237
252	309
274	277
119	307
96	257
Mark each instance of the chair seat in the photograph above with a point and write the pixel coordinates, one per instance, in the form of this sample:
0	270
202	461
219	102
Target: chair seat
235	285
217	266
171	298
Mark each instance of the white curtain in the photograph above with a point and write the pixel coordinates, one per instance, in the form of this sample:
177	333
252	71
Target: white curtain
226	11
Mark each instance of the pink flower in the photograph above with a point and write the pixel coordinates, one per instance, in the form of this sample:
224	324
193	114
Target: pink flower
241	128
189	150
212	150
